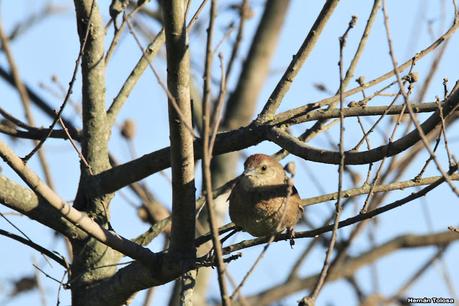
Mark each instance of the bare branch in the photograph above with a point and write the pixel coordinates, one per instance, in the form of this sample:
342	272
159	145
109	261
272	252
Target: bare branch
76	217
353	264
181	154
346	222
298	60
51	254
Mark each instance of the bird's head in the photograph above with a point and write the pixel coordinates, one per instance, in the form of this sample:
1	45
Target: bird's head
261	170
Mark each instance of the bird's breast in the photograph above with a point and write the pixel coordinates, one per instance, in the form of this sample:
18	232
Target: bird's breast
262	213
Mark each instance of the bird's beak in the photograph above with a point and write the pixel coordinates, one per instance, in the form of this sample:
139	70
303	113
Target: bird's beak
249	172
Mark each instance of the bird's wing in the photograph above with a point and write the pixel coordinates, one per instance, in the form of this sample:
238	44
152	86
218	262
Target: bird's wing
295	191
296	194
235	187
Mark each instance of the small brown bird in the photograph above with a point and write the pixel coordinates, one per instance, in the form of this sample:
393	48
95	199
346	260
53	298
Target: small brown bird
263	202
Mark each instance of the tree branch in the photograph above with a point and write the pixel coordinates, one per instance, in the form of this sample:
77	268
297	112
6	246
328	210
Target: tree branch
95	129
351	265
242	102
301	110
298	60
344	223
181	152
77	218
26	202
234	140
307	152
59	259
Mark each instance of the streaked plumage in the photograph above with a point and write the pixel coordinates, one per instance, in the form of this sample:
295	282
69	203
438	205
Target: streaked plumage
262	203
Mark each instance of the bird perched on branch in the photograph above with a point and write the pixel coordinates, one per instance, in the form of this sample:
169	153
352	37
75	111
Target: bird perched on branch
264	201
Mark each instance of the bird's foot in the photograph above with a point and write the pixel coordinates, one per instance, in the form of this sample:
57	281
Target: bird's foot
291	234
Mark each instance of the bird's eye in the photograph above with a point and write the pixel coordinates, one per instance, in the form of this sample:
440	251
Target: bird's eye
264	168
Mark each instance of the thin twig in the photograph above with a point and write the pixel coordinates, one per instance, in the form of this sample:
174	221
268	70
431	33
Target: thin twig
147	56
240	32
360	226
207	157
451	160
378	171
34	18
347	222
297	265
171	98
236	292
51	254
68	93
148	299
433	46
429	159
367	141
408	104
25	99
61	285
216	119
298	60
421	270
320	125
307	152
443	269
40	288
377	189
349	193
72	142
46	274
353	264
375	124
73	215
310	300
61	94
118	31
355	111
284	204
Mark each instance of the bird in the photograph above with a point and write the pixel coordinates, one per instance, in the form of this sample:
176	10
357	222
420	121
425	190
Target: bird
263	201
